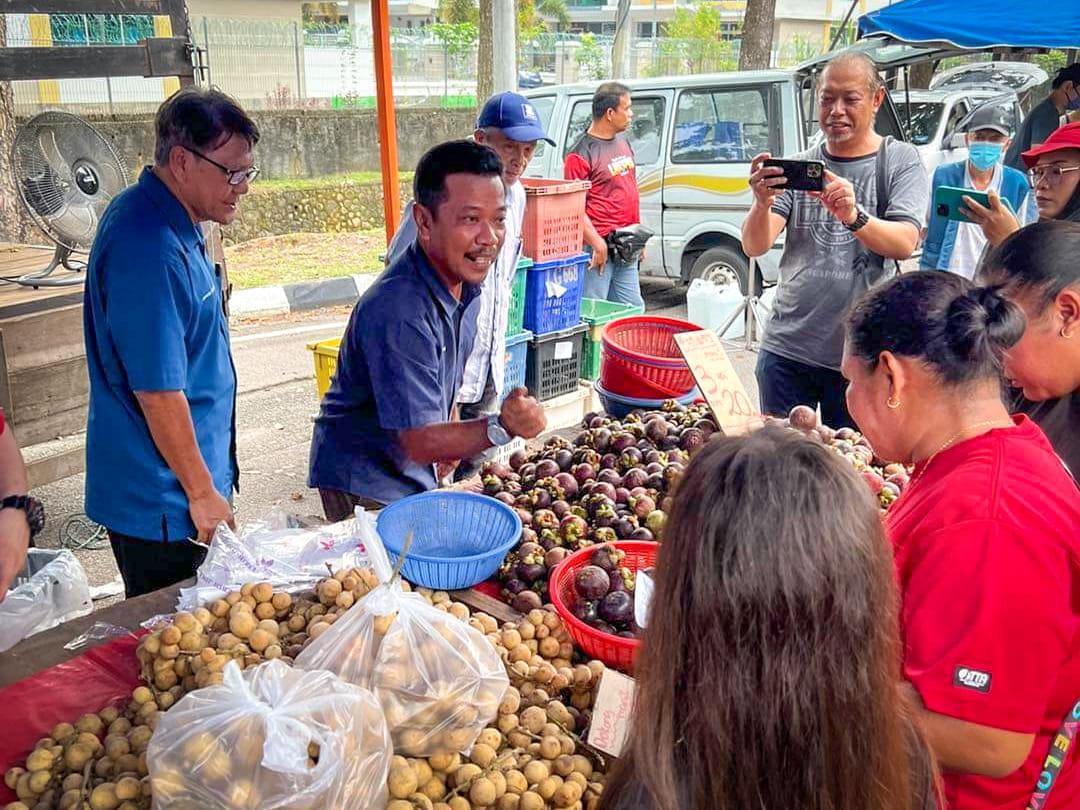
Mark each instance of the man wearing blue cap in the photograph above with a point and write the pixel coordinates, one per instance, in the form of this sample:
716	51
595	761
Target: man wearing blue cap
508	124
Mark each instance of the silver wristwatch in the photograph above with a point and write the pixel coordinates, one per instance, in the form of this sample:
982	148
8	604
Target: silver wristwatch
496	433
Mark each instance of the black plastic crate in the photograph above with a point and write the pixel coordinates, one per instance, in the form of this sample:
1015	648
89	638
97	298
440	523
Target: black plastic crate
553	365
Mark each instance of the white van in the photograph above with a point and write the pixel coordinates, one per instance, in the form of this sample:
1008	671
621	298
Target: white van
694	137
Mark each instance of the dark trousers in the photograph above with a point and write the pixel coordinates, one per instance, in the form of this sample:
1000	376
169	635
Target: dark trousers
783	384
149	565
338	505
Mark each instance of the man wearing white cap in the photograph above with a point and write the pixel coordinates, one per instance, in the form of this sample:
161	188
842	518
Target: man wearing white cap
508	124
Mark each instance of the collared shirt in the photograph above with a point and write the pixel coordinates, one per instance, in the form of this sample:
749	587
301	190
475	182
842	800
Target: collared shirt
399	368
153	321
488	357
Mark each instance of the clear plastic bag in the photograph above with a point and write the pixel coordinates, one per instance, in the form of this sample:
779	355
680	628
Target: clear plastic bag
439	680
50	590
248	743
271	550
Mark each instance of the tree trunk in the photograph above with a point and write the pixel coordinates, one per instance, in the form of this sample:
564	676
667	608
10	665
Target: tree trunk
755	52
485	54
12	220
920	74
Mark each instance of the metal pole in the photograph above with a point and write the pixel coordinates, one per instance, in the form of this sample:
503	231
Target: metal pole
445	72
384	108
206	47
843	25
296	58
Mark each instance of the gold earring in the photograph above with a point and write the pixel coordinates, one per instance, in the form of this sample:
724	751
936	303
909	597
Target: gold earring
892	403
1064	335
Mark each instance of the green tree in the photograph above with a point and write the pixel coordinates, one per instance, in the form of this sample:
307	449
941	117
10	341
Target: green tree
591	59
457	37
534	17
456	12
693	43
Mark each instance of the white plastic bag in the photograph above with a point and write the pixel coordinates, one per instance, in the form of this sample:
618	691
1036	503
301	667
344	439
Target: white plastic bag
270	551
50	590
247	743
439	680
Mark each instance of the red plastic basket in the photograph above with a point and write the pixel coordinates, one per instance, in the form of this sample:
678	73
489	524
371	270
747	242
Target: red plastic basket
614	651
640	358
631	379
554	218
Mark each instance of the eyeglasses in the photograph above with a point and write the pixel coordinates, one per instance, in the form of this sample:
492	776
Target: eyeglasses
234	176
1052	174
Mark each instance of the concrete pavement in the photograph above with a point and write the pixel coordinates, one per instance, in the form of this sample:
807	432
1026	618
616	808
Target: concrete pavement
275	407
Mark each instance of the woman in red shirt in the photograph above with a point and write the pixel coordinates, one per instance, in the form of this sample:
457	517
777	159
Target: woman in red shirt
986	537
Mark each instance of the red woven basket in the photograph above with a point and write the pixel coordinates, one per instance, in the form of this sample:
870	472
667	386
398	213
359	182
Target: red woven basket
614	651
639	357
628	378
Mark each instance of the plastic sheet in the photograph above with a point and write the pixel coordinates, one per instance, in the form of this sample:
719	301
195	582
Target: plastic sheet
248	743
272	551
98	632
439	680
50	590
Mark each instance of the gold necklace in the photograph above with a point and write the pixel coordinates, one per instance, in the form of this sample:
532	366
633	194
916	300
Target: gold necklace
950	442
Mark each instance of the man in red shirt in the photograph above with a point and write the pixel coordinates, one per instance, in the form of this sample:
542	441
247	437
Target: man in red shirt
604	157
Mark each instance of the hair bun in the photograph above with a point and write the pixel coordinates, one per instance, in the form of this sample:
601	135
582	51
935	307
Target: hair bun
980	320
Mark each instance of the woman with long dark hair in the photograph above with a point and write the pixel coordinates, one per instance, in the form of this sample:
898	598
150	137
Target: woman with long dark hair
767	676
1038	269
986	536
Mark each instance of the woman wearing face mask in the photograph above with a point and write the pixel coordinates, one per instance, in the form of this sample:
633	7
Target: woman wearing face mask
957	246
1037	269
1054	176
986	537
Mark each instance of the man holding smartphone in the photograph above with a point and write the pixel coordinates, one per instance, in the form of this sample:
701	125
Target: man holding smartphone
840	241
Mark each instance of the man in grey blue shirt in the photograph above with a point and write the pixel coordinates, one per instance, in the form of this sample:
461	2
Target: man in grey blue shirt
388	421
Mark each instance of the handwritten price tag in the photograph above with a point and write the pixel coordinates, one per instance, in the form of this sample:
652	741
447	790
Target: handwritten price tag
611	712
719	383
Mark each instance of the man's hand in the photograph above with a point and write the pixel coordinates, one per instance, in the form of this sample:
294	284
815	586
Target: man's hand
208	512
838	197
767	182
522	415
14	541
997	221
444	469
599	256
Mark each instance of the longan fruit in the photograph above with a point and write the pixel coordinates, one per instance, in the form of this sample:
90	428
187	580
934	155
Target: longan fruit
69	800
281	601
317	629
482	755
534	719
116	746
227	641
272	652
458	739
162	680
39	781
345	600
482	792
260	640
445	763
434	788
191	641
399	804
232	598
531	800
516	782
402	781
263	592
242	624
16	806
171	635
536	772
509	801
11	777
128	763
270	626
219	608
459	803
264	610
548	787
76	756
90	723
466	773
40	759
491	737
296	622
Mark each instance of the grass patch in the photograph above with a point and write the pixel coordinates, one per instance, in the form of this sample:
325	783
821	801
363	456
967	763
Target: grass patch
304	257
291	184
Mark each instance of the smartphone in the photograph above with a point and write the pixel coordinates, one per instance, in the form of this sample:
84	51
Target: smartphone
801	175
949	201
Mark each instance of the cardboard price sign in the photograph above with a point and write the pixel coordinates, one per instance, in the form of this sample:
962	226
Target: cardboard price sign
611	712
719	383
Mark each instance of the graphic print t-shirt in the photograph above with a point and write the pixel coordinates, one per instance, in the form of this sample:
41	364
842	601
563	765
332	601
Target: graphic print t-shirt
612	202
824	268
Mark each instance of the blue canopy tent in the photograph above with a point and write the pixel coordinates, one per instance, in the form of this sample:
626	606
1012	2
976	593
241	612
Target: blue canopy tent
977	24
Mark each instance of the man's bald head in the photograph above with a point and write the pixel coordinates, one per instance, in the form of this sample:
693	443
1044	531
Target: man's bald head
856	61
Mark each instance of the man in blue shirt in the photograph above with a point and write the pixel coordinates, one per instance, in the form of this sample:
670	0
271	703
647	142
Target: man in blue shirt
388	422
161	434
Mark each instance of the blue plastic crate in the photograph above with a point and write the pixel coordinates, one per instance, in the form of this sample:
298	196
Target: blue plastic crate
517	348
553	294
459	538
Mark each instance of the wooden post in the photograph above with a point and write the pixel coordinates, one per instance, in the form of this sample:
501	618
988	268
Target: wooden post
384	105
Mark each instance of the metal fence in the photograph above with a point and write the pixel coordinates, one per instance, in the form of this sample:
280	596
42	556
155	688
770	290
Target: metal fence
288	65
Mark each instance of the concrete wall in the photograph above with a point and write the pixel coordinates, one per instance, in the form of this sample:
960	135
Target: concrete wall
330	208
276	10
307	143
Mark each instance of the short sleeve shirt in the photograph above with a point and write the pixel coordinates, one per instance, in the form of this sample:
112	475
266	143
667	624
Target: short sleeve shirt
154	321
1060	421
824	269
987	549
399	368
608	163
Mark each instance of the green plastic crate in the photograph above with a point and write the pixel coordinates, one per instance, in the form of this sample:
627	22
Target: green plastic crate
597	314
515	321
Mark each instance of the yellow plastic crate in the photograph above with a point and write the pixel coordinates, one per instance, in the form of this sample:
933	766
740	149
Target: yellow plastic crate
325	353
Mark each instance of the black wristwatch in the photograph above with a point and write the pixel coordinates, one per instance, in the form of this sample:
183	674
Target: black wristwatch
861	218
35	512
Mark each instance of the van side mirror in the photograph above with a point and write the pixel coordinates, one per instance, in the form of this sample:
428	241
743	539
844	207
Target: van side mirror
955	141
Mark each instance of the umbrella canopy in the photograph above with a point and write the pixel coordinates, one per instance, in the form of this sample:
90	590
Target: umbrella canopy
977	24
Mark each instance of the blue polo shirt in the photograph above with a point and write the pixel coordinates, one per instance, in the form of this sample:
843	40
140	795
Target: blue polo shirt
399	367
154	321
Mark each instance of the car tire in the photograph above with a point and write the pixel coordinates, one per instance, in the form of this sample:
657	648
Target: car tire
721	264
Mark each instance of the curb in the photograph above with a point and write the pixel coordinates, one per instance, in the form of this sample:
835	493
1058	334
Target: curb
301	296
